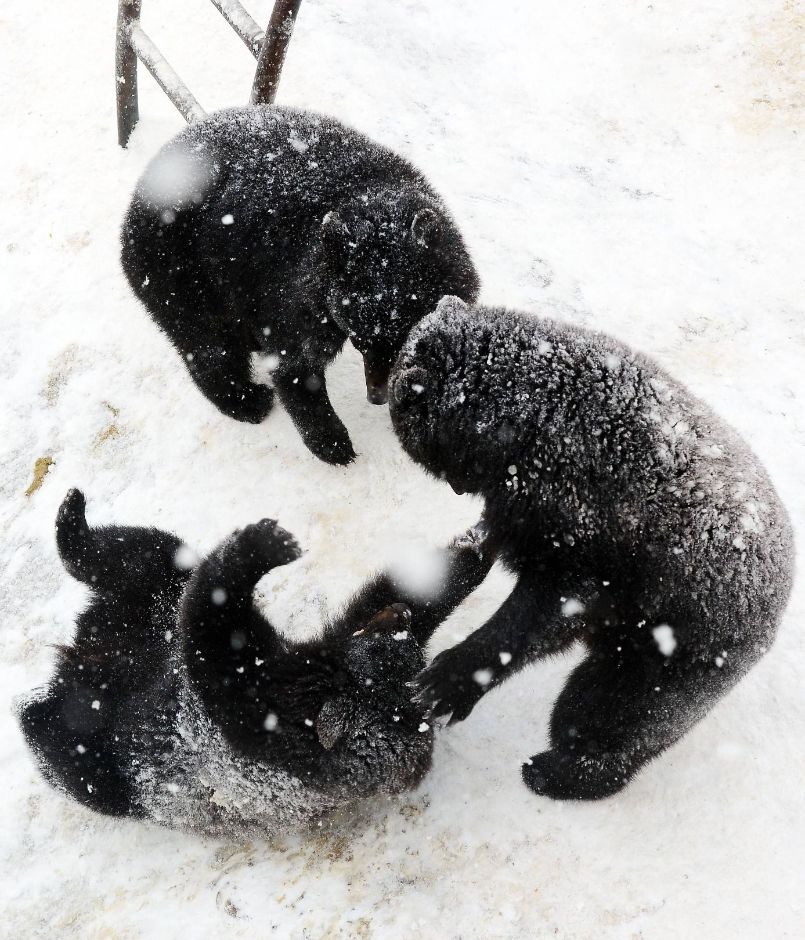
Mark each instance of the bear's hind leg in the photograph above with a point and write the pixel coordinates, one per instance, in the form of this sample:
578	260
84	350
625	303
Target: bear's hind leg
226	640
619	709
80	763
117	560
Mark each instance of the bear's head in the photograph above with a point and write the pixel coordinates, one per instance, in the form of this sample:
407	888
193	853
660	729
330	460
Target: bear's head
445	406
346	711
372	724
389	255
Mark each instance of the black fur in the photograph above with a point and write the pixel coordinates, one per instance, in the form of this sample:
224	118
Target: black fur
623	505
179	702
112	680
325	236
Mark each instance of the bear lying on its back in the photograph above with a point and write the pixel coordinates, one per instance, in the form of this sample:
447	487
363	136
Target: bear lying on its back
282	231
178	702
634	518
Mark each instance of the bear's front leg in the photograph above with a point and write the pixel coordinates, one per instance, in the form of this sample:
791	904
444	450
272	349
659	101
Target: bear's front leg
532	622
467	562
303	391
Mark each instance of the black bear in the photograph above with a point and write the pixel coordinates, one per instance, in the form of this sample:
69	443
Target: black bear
178	702
282	231
634	519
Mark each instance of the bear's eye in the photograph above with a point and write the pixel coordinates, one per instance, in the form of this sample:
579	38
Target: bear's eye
411	387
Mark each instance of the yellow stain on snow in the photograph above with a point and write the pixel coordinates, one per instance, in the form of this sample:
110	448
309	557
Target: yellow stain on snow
776	53
41	467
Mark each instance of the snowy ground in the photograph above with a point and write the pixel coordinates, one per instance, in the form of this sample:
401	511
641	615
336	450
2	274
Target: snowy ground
632	166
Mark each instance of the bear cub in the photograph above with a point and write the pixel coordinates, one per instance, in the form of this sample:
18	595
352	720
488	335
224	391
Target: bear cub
269	229
178	702
635	521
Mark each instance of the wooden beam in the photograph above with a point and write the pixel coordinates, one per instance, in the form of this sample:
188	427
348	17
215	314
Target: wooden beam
133	44
163	72
272	55
249	31
128	113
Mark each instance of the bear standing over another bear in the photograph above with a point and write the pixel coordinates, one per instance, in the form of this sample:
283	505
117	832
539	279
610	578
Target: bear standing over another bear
274	230
635	520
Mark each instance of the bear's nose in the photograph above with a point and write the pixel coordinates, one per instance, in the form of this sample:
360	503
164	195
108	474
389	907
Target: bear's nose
377	394
393	617
376	372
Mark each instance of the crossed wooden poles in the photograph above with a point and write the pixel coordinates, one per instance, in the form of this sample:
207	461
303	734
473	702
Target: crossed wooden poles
133	44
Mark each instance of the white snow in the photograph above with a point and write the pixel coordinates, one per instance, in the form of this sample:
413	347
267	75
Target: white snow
416	566
572	607
185	558
483	676
632	167
665	638
270	722
176	177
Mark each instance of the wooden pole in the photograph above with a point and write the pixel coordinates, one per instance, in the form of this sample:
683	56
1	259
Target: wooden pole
179	94
128	12
272	55
243	24
133	44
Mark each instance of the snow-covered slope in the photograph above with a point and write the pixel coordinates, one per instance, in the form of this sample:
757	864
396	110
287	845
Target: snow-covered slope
632	166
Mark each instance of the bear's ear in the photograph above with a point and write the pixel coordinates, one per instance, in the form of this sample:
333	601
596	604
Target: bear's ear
426	227
334	232
451	304
346	241
333	722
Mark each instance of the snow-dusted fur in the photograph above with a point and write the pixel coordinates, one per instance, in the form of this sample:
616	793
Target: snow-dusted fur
282	231
634	519
178	702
